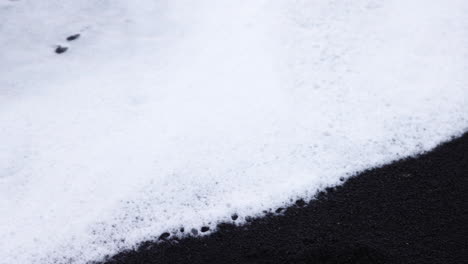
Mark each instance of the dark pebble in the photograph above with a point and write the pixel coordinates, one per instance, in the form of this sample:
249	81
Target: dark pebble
73	37
234	217
300	203
164	235
61	49
204	229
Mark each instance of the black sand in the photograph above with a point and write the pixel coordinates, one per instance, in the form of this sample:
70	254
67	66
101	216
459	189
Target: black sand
412	211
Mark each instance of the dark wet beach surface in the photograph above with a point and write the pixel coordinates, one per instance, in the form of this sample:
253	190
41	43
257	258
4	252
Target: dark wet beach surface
411	211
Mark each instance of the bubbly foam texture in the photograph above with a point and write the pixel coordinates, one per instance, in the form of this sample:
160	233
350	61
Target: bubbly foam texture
169	114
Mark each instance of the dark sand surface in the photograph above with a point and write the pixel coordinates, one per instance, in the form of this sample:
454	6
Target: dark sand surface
411	211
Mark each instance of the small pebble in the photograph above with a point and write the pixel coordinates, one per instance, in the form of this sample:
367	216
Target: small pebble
60	49
164	235
204	229
234	217
73	37
300	203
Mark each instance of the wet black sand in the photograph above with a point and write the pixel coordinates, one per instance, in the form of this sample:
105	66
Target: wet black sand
412	211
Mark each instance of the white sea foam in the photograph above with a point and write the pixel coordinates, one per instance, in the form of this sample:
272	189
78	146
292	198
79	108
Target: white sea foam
179	113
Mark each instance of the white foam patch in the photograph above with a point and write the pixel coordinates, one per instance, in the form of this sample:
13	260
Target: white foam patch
179	113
